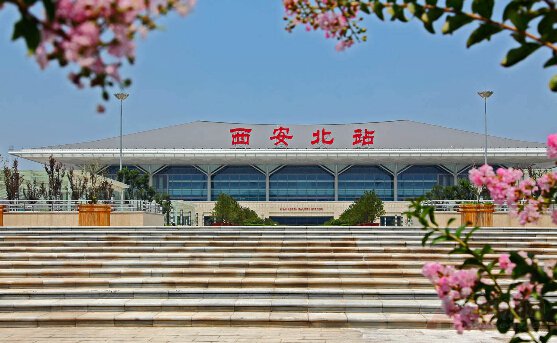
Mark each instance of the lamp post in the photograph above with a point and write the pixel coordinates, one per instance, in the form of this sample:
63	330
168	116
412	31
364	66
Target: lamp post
484	95
121	96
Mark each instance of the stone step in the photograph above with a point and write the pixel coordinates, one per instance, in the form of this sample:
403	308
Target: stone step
103	244
134	263
265	230
220	282
209	272
211	293
282	319
238	250
79	235
416	256
517	241
222	305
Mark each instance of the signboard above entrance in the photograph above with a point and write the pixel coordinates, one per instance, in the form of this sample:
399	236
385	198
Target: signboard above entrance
281	136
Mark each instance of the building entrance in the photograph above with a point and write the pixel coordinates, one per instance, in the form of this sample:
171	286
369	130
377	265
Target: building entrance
301	221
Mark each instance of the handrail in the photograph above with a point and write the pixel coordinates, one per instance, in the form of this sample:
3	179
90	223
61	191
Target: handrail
72	205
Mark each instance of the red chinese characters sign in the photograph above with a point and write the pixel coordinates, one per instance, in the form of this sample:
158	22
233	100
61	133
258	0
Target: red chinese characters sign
280	135
363	137
240	136
322	136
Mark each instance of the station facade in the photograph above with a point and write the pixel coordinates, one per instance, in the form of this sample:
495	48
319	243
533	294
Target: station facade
297	174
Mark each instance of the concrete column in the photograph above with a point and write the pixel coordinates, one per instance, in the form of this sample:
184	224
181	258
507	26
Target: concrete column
267	184
150	179
395	183
336	183
208	185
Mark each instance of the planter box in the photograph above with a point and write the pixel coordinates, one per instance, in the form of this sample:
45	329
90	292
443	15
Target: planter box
477	214
1	215
94	215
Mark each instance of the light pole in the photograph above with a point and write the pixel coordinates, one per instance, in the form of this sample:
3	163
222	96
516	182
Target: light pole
485	95
121	96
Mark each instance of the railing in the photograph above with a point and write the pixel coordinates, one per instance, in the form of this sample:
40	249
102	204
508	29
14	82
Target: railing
71	205
453	205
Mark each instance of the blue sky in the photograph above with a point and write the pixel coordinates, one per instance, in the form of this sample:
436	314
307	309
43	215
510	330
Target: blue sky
232	61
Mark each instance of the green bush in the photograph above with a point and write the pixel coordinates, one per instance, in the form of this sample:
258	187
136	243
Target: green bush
228	211
363	211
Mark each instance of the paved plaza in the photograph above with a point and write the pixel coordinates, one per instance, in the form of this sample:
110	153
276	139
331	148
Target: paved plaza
237	335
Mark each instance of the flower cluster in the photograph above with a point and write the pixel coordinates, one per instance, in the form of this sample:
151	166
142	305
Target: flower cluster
454	288
97	35
526	197
339	20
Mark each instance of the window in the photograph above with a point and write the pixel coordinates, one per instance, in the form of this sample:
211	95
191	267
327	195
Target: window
241	182
182	183
353	182
418	180
302	183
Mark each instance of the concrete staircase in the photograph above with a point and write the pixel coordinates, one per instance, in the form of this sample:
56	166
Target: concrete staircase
230	276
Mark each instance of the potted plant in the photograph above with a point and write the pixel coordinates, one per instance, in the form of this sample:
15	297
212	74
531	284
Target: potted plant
93	213
477	214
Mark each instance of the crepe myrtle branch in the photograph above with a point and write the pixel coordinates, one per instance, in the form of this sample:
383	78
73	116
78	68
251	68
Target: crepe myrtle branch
340	19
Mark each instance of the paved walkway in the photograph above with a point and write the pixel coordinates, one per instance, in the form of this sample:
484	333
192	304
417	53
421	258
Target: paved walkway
239	335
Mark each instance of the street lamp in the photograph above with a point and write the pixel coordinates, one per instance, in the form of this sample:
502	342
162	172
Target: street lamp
485	95
121	96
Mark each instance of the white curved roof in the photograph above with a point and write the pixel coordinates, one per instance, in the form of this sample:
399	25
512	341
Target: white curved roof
399	134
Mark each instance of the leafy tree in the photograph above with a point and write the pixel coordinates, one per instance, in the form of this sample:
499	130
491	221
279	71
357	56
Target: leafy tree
530	23
463	190
229	212
34	191
56	173
138	183
164	201
12	180
99	187
78	184
363	211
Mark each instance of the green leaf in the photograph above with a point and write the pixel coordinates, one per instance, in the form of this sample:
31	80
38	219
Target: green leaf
50	9
378	10
459	230
438	239
483	32
364	8
483	7
469	235
504	321
27	29
426	237
455	4
518	54
551	62
486	249
553	83
455	22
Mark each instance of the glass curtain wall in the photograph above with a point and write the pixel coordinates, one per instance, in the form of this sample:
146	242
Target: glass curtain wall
243	183
418	180
182	183
302	183
353	182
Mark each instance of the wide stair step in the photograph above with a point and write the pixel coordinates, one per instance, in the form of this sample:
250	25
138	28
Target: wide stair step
232	276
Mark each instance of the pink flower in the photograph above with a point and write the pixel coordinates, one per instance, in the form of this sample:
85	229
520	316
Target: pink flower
506	264
554	216
466	319
530	212
479	177
525	290
552	146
